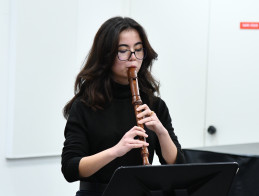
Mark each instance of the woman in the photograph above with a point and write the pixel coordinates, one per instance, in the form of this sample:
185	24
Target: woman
100	131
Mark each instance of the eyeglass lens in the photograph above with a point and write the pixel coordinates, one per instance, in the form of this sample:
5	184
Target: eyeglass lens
126	54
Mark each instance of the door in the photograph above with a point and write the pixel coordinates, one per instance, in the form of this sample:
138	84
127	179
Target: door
232	111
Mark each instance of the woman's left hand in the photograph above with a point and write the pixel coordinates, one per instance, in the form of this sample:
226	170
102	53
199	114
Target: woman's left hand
150	119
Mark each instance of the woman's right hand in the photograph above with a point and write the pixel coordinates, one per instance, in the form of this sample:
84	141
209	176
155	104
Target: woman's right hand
91	164
128	142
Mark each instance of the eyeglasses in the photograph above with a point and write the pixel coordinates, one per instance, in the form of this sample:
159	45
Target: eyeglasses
124	55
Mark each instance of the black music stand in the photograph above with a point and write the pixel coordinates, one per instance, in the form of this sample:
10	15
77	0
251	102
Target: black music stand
201	179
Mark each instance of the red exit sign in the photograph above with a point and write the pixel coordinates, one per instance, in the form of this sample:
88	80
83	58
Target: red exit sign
249	25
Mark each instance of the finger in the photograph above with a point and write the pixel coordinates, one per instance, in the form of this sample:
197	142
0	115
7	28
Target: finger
144	113
152	113
138	129
138	133
136	141
138	145
150	123
142	107
132	131
145	120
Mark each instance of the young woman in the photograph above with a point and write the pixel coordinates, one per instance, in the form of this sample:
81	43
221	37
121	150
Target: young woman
101	124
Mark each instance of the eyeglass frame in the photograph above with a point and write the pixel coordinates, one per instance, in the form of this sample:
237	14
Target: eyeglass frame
134	54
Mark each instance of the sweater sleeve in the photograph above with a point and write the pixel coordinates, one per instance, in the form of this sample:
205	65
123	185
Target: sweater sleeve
76	144
163	114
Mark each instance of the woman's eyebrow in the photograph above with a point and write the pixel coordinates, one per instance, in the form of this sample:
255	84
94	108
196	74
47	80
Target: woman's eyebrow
128	45
124	45
138	43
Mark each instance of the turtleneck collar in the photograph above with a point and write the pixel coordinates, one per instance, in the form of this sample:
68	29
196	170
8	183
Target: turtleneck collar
120	91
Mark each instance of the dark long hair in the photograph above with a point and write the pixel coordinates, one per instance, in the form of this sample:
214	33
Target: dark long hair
93	83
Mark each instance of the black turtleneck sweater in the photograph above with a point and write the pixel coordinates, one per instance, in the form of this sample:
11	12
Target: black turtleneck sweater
88	132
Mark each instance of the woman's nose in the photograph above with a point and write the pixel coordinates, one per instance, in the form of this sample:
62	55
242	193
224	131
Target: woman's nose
132	56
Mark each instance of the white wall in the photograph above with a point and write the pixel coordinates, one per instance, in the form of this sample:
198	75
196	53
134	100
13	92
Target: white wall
233	70
20	177
42	52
